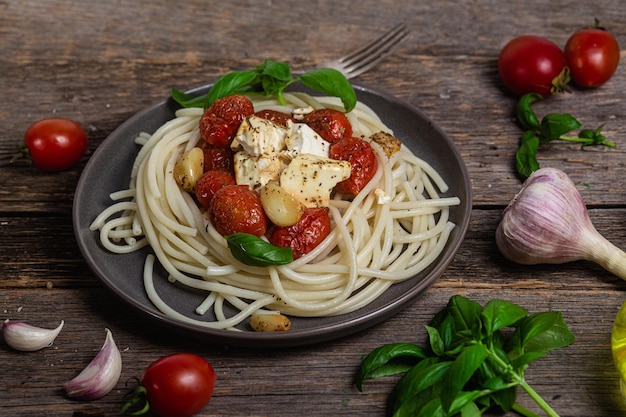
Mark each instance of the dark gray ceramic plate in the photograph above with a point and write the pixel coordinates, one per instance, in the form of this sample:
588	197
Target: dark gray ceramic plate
109	168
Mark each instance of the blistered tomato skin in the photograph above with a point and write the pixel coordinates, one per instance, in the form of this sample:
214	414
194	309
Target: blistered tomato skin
275	116
592	56
218	158
210	182
304	236
363	163
532	64
237	209
220	121
55	144
332	125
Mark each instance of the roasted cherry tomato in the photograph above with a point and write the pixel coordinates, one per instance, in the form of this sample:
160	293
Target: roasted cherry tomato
220	121
304	236
592	55
178	385
363	163
54	144
210	182
275	116
331	125
237	209
532	64
217	158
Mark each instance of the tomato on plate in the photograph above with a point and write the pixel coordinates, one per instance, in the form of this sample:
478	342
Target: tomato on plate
237	209
304	236
363	163
178	385
592	55
532	64
332	125
219	123
54	144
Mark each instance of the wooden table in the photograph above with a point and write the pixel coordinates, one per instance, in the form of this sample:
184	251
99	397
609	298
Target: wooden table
100	62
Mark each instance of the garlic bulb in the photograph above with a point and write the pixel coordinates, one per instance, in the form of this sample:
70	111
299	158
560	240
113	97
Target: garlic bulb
24	337
548	222
100	375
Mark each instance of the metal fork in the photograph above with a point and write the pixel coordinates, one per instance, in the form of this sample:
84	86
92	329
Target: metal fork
364	58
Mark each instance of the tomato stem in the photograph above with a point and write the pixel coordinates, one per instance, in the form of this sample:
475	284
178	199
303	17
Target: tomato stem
139	397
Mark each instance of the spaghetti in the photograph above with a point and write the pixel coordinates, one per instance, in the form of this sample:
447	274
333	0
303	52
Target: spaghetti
391	231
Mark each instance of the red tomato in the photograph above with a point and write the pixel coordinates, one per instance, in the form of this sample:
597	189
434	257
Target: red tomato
532	64
331	125
363	163
275	116
237	209
304	236
178	385
210	182
220	121
55	144
217	158
592	56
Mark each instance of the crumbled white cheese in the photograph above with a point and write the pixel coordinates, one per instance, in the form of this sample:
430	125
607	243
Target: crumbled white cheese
256	171
311	178
258	136
383	198
302	139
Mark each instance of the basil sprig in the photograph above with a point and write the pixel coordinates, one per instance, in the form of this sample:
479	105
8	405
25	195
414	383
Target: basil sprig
554	126
272	78
469	365
254	251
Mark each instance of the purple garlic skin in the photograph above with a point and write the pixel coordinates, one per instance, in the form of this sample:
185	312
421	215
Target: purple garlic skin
546	222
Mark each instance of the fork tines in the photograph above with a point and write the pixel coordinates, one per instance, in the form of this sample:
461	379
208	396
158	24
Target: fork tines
369	55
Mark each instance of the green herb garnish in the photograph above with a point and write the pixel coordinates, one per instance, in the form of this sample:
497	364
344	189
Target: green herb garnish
272	78
254	251
552	127
470	366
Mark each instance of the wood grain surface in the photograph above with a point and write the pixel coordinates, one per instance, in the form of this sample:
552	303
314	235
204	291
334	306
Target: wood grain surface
101	62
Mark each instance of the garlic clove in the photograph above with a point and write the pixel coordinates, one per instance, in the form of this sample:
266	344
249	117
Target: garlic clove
28	338
100	375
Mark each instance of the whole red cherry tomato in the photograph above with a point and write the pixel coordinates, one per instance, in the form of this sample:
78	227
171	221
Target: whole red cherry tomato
178	385
237	209
220	121
54	144
363	163
592	55
331	125
304	236
217	158
532	64
211	181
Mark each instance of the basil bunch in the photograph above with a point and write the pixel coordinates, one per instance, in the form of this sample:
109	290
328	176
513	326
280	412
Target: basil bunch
272	78
470	365
552	127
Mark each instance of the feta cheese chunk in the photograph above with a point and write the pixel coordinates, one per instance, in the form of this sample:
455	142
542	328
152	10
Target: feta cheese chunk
258	136
302	139
256	171
311	178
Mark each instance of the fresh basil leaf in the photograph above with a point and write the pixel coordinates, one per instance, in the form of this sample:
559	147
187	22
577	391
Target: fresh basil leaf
526	116
460	372
276	70
422	376
545	331
388	360
333	83
254	251
436	342
466	314
504	398
526	155
498	314
230	84
554	125
188	100
522	361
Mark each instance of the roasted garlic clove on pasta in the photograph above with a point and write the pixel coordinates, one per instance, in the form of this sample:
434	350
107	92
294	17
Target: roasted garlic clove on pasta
388	142
281	207
189	168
